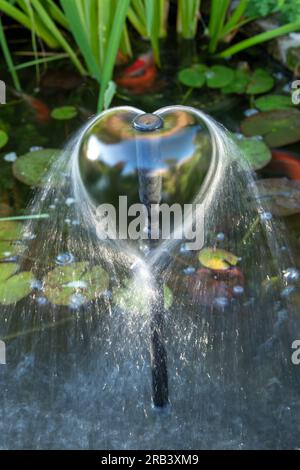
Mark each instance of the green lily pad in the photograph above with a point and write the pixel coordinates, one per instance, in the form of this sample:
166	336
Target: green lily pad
260	82
219	76
10	231
256	152
13	287
280	196
63	282
64	113
271	102
278	128
131	297
192	77
239	83
33	166
3	138
217	259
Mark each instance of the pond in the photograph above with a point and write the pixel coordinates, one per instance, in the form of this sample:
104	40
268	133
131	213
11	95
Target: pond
76	313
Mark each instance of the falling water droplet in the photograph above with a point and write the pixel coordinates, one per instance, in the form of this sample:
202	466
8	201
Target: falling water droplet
69	201
266	216
291	274
287	291
41	300
221	302
77	300
36	284
189	270
184	249
10	157
220	237
238	290
64	258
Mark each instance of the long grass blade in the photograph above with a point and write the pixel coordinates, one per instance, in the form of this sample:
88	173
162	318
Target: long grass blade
8	58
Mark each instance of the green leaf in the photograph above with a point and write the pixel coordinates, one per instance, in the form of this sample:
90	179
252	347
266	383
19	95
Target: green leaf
192	77
260	82
256	152
239	83
271	102
168	297
218	76
64	113
32	167
79	278
217	259
278	128
3	138
13	287
109	93
10	231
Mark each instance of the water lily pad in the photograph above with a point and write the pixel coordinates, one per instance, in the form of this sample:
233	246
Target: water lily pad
33	166
10	232
64	113
239	83
217	258
256	152
218	76
280	196
278	128
192	77
13	287
63	282
3	138
132	298
260	82
271	102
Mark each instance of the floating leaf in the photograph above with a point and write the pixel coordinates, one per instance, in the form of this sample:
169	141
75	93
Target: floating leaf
3	138
63	282
219	76
277	127
10	232
192	77
239	83
217	258
64	113
260	82
13	287
280	196
33	166
271	102
256	152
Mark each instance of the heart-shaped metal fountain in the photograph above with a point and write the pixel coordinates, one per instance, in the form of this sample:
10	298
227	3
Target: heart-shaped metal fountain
164	157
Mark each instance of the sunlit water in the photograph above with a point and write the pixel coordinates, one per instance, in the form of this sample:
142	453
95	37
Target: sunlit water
78	376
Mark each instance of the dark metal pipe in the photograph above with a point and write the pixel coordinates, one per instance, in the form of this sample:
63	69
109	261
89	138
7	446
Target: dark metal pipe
150	195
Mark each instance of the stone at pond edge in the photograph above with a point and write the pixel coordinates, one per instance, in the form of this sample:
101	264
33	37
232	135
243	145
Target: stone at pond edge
278	128
280	196
32	167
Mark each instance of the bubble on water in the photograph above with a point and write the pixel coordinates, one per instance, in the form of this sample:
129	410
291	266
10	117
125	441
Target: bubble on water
35	148
238	290
189	270
27	235
250	112
287	291
265	216
77	300
291	274
209	74
221	302
67	221
36	284
52	206
6	254
41	300
220	237
75	222
10	157
69	201
64	258
283	248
